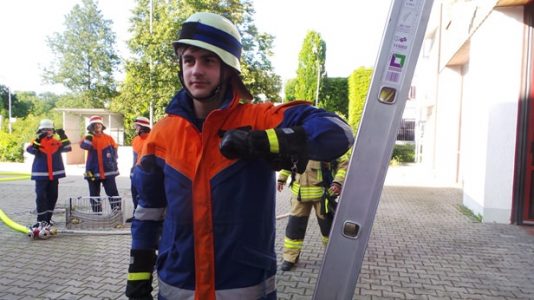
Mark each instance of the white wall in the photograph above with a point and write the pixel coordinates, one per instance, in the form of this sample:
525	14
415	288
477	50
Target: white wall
125	160
448	124
491	91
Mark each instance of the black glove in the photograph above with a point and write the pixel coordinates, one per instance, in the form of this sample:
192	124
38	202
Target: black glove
40	136
139	284
283	147
37	141
89	137
36	145
61	134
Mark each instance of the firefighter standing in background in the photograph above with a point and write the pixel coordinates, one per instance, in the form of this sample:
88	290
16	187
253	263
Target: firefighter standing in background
142	129
47	168
313	188
101	166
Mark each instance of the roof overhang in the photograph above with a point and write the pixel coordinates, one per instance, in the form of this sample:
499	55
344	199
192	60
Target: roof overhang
502	3
88	111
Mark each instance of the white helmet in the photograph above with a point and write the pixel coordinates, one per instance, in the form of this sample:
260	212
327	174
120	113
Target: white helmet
217	34
94	120
46	124
214	33
142	121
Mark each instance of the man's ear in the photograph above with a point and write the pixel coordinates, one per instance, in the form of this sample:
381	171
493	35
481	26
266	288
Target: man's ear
239	86
227	72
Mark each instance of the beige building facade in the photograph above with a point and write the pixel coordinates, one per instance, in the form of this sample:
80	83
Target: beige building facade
75	121
475	98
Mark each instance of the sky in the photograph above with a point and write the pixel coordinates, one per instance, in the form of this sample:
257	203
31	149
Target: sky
352	30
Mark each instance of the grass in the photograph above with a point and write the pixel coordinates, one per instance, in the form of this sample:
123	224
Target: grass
469	213
11	176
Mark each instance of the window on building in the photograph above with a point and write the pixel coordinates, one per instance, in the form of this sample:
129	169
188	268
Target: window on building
406	131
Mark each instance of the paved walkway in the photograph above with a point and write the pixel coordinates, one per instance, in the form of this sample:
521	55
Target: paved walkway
421	247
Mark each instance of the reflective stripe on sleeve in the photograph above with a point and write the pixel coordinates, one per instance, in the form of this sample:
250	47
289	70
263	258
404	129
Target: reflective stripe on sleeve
274	147
139	276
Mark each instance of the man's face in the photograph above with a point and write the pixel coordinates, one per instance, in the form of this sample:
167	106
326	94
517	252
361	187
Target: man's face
137	129
98	127
201	70
49	131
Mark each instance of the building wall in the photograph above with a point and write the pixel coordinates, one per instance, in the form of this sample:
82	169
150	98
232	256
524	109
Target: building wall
425	81
469	107
449	98
72	124
491	91
75	122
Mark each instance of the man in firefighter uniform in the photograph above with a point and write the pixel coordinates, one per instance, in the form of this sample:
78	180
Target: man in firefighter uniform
47	168
142	129
319	184
206	176
101	166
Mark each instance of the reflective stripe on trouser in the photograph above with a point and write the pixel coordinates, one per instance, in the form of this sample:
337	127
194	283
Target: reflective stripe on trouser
292	249
296	227
295	232
264	290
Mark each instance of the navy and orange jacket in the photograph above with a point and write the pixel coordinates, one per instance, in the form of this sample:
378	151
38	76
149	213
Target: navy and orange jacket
48	163
217	214
102	156
137	145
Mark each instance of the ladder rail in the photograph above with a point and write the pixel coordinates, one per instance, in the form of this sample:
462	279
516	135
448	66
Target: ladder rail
394	68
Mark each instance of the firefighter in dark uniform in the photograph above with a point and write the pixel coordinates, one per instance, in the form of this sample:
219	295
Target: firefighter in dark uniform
47	168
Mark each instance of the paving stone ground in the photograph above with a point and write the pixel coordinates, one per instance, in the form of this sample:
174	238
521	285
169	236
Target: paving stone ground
421	247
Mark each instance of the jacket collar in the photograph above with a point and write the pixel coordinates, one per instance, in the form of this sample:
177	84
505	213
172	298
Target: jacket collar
182	105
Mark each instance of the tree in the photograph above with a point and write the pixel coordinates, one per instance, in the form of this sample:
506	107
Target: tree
334	95
4	97
85	57
152	72
37	104
290	89
310	70
359	82
18	108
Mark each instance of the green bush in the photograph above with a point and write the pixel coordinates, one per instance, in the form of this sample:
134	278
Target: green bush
403	153
10	148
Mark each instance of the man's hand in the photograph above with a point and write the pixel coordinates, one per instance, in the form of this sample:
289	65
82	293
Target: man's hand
284	148
335	189
61	134
280	185
240	143
40	136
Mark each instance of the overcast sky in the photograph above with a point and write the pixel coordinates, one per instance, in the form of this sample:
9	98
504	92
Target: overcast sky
352	32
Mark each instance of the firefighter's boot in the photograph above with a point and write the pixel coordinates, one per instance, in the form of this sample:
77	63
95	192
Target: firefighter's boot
287	265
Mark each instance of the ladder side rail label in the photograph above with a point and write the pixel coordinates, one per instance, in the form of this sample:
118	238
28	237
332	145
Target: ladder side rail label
394	68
